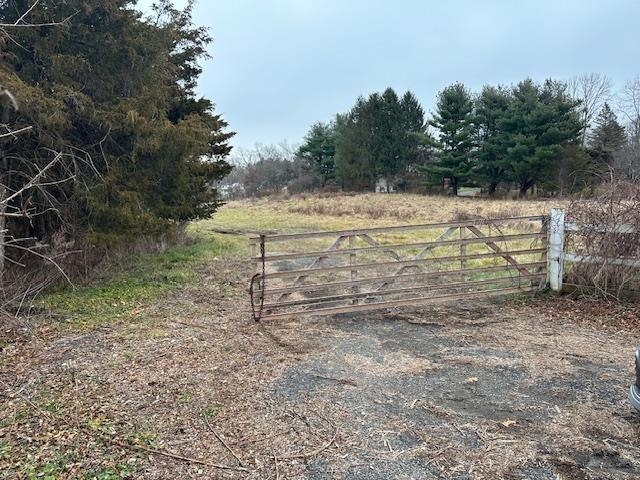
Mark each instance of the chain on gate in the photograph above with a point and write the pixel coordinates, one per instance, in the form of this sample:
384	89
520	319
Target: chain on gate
259	279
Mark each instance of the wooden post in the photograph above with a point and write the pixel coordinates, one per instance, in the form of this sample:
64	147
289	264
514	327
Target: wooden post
354	271
556	249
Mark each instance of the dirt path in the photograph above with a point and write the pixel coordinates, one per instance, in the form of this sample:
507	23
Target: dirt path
467	391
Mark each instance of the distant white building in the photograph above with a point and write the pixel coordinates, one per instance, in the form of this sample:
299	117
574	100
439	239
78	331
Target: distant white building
469	191
231	191
384	185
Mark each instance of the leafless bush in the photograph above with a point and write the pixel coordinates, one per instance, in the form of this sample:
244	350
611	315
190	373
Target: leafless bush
28	188
608	241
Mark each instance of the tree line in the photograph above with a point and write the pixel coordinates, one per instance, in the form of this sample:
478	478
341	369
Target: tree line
553	137
98	105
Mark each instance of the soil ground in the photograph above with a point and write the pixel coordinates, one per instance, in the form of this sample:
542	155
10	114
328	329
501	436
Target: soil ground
472	390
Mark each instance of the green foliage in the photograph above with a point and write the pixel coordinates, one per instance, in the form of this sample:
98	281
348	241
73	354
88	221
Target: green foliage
115	92
319	149
608	136
490	106
381	135
5	450
521	135
572	172
147	439
540	119
117	473
213	410
454	120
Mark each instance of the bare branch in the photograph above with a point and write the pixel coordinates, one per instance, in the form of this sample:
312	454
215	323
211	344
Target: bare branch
4	26
34	181
593	90
27	12
15	133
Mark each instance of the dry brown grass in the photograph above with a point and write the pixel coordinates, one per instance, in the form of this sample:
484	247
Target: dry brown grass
343	211
406	207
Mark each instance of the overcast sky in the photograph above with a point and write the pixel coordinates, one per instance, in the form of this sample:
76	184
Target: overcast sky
280	65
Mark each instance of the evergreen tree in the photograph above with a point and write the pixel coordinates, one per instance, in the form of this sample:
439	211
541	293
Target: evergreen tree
540	120
380	136
571	172
389	154
454	121
607	137
417	141
490	107
118	89
319	149
354	164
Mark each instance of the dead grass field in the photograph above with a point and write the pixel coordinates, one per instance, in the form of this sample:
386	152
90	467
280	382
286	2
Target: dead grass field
187	386
338	211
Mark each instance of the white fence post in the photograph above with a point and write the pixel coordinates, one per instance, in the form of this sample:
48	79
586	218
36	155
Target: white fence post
556	249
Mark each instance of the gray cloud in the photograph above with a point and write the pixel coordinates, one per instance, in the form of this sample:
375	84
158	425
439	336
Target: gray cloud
280	65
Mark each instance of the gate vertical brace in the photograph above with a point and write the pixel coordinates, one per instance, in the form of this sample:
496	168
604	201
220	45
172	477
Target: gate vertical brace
354	271
259	278
254	254
463	252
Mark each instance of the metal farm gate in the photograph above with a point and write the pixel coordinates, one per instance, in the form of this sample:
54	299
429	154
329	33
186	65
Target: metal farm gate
323	273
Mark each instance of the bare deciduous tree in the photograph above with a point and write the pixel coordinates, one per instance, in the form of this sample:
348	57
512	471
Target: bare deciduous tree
593	90
627	160
629	103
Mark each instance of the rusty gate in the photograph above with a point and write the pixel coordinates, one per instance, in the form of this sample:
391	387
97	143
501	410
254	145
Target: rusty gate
329	272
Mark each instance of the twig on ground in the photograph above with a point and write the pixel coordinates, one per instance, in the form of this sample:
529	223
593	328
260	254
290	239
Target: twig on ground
344	381
222	441
187	324
245	440
174	455
312	453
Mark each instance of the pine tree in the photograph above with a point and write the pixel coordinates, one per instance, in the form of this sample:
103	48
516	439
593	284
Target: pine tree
539	122
417	141
319	149
380	136
454	121
607	137
490	107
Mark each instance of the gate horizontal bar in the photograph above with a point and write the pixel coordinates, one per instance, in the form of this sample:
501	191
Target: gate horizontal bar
398	303
393	278
604	261
381	293
398	228
587	228
416	262
400	246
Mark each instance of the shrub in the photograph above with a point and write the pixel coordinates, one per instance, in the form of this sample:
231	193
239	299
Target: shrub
609	236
